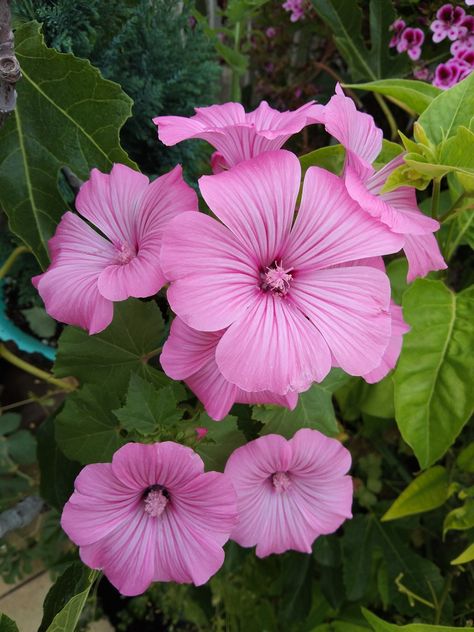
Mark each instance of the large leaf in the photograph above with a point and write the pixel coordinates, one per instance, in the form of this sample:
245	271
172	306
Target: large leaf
66	114
357	545
433	398
6	624
345	21
110	357
428	491
414	95
378	625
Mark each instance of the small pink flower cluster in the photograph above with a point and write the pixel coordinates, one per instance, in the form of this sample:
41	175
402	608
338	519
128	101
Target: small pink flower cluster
296	7
406	39
453	23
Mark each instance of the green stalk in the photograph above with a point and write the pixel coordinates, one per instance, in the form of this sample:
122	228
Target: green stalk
19	250
34	370
435	198
388	115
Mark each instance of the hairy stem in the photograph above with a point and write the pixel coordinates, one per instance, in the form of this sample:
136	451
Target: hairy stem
9	66
4	269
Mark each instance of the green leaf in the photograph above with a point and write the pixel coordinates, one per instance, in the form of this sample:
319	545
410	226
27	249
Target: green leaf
466	556
428	491
345	21
460	519
378	625
22	447
433	400
397	273
357	545
9	422
7	624
377	399
39	322
147	407
86	429
110	357
414	95
465	460
222	438
66	599
330	158
314	410
452	108
66	114
389	151
57	473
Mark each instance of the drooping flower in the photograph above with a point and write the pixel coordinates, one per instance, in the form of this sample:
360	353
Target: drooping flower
465	38
411	41
289	492
89	270
235	134
190	355
398	209
449	74
448	23
151	515
286	309
296	7
397	28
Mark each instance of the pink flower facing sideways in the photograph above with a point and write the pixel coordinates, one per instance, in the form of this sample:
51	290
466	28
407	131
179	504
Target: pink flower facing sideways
151	515
88	271
190	355
289	492
289	305
237	135
411	41
448	23
398	209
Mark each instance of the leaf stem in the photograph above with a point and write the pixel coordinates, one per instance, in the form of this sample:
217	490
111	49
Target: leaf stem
19	250
388	115
435	197
34	370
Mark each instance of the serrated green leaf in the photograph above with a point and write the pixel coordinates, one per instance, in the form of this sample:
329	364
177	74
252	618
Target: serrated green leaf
426	492
110	357
433	398
222	438
66	114
378	625
414	95
466	556
7	624
460	519
147	408
86	429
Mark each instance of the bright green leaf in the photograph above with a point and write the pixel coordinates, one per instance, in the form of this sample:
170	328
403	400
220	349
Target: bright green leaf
460	519
378	625
66	114
433	398
389	151
330	158
428	491
397	273
414	95
466	556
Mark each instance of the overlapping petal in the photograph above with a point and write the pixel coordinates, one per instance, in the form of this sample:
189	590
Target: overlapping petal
423	254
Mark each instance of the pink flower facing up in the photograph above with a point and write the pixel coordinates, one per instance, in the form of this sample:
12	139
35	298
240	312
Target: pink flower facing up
448	23
411	41
190	355
289	492
151	515
398	210
88	271
287	310
235	134
397	28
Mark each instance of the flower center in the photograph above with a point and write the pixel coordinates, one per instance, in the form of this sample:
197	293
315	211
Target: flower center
276	279
156	499
281	481
125	253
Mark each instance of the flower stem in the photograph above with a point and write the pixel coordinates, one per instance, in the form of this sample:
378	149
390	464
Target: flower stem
19	250
435	198
388	115
34	370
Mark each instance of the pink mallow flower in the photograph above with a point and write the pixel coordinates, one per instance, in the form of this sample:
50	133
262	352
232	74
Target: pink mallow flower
237	135
190	355
396	28
289	492
411	41
398	209
151	515
272	284
89	270
465	38
448	23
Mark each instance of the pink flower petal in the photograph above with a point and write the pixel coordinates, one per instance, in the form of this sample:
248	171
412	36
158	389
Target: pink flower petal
69	286
273	347
290	400
423	254
257	207
213	390
349	307
331	228
274	124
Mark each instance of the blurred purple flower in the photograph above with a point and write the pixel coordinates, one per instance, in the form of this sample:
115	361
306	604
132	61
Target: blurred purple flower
397	28
410	42
296	8
448	23
270	32
421	73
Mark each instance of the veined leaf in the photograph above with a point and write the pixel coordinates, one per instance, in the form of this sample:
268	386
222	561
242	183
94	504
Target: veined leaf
433	397
66	114
414	96
378	625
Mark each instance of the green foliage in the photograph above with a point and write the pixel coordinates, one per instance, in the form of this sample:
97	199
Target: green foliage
222	438
7	624
415	96
432	398
72	131
382	626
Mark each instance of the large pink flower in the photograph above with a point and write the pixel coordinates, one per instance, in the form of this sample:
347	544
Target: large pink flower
89	271
190	355
289	492
235	134
151	515
272	284
397	209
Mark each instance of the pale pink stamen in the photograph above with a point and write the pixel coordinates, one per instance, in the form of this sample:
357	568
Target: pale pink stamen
276	279
155	502
281	481
125	253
